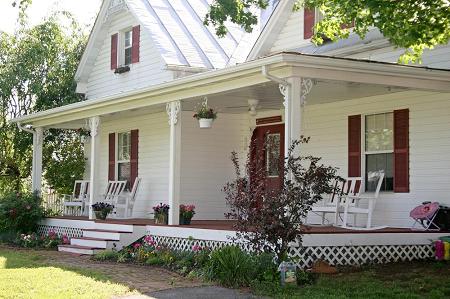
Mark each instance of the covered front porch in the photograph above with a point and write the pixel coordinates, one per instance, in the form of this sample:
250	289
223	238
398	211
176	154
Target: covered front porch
314	96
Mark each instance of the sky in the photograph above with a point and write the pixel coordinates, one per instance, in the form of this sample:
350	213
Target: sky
84	11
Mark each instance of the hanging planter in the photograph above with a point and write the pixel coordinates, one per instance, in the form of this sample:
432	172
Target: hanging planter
205	115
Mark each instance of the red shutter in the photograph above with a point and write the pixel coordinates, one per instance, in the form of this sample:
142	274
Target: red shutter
135	47
114	41
112	157
401	150
134	157
308	23
354	146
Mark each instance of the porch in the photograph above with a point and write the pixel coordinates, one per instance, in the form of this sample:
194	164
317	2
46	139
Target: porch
313	96
338	246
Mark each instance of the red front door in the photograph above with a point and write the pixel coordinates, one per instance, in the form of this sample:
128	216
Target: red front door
268	143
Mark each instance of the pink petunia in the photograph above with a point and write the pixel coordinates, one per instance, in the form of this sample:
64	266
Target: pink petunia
196	248
136	245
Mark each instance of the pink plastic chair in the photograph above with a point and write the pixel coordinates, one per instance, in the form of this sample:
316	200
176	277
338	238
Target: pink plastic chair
425	214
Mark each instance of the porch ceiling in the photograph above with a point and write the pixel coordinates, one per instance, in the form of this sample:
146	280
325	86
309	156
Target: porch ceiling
270	98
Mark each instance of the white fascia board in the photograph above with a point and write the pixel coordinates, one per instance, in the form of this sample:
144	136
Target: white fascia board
273	27
93	36
247	74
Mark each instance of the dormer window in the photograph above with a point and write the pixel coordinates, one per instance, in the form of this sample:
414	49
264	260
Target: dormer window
125	49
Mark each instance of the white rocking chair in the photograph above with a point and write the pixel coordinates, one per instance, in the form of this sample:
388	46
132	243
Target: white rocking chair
337	198
75	204
113	190
352	204
126	202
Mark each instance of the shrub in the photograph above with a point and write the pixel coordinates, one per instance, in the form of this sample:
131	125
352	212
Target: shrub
106	255
20	213
267	218
231	266
304	277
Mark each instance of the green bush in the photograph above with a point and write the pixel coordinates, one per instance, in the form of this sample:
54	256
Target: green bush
20	213
106	255
305	278
231	266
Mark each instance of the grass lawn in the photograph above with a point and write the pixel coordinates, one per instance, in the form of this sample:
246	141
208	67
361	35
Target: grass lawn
24	275
427	279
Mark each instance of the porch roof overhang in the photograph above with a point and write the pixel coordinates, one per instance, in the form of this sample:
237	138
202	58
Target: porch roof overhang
282	65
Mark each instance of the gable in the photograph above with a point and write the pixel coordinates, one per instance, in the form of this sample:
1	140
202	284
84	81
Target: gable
151	69
172	30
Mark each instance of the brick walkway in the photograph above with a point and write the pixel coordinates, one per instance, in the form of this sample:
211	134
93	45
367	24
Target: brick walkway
145	279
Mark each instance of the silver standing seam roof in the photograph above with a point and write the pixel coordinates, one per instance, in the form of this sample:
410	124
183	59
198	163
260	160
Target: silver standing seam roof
177	29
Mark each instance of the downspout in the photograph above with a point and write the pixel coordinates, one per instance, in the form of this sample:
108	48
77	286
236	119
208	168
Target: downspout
265	73
21	128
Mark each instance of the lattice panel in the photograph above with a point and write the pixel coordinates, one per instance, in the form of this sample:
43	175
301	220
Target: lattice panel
334	255
71	232
359	255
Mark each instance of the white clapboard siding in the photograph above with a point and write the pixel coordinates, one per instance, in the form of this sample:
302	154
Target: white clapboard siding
291	36
429	146
148	71
153	165
205	161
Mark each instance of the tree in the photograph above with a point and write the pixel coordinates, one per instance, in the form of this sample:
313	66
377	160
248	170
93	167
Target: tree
270	219
37	67
414	25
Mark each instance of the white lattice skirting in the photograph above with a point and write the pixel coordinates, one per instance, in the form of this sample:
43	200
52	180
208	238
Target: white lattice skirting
334	255
71	232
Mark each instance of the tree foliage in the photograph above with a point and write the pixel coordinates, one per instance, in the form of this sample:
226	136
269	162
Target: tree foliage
37	67
269	219
415	25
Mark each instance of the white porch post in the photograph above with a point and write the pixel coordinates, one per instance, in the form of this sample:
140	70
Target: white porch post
36	175
173	111
94	127
294	93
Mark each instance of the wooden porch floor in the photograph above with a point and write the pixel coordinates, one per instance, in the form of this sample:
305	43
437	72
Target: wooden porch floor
228	225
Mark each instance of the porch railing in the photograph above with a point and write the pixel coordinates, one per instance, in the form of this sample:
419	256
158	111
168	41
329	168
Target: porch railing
52	202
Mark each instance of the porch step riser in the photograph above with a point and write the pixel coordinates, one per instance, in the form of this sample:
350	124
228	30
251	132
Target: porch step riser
102	235
89	243
114	227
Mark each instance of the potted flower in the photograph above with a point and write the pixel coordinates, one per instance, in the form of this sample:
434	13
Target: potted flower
186	214
205	115
161	212
102	209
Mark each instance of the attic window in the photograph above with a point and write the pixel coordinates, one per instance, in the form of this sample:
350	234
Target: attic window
127	47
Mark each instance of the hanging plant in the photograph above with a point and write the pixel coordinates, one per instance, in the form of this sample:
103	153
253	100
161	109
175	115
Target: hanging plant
205	115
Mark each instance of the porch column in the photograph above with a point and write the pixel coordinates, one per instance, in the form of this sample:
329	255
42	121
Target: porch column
94	127
36	175
173	111
294	93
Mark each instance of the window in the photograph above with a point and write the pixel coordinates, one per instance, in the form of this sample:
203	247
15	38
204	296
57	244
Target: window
273	152
379	149
127	46
123	156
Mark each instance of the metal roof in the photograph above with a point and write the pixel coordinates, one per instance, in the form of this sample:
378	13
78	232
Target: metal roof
179	34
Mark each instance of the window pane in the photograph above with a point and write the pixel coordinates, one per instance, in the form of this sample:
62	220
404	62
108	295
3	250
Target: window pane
124	146
124	171
379	132
273	155
376	163
128	39
127	56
